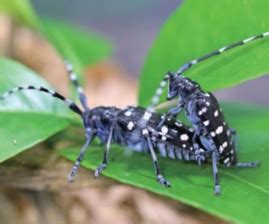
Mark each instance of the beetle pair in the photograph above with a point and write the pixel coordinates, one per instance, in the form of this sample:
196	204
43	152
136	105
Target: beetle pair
141	129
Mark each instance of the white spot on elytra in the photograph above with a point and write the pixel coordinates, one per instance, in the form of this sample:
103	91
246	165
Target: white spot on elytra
219	130
206	123
164	130
202	111
207	94
130	125
216	113
128	113
221	149
207	103
226	160
225	144
184	137
147	115
184	145
213	134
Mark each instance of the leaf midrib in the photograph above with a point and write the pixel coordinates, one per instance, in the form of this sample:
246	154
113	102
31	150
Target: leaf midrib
250	184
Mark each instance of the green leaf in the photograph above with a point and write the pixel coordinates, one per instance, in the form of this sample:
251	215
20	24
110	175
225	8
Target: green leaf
199	27
80	47
20	131
245	192
27	117
20	10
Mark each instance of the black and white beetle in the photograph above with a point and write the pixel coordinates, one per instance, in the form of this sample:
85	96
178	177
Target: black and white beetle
143	130
111	124
203	111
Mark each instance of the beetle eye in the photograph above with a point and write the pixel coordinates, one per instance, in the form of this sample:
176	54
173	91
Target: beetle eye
105	120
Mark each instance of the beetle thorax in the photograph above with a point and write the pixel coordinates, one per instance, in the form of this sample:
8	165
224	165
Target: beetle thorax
185	88
102	118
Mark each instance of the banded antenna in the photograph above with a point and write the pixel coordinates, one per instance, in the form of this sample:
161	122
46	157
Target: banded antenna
188	65
155	99
71	105
73	77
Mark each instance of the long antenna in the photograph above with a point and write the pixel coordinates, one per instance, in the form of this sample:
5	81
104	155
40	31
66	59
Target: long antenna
188	65
71	105
155	99
73	77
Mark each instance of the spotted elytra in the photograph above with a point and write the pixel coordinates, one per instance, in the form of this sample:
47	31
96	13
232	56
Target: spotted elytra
203	111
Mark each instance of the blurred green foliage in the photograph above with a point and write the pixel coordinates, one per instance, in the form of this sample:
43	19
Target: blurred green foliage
21	11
